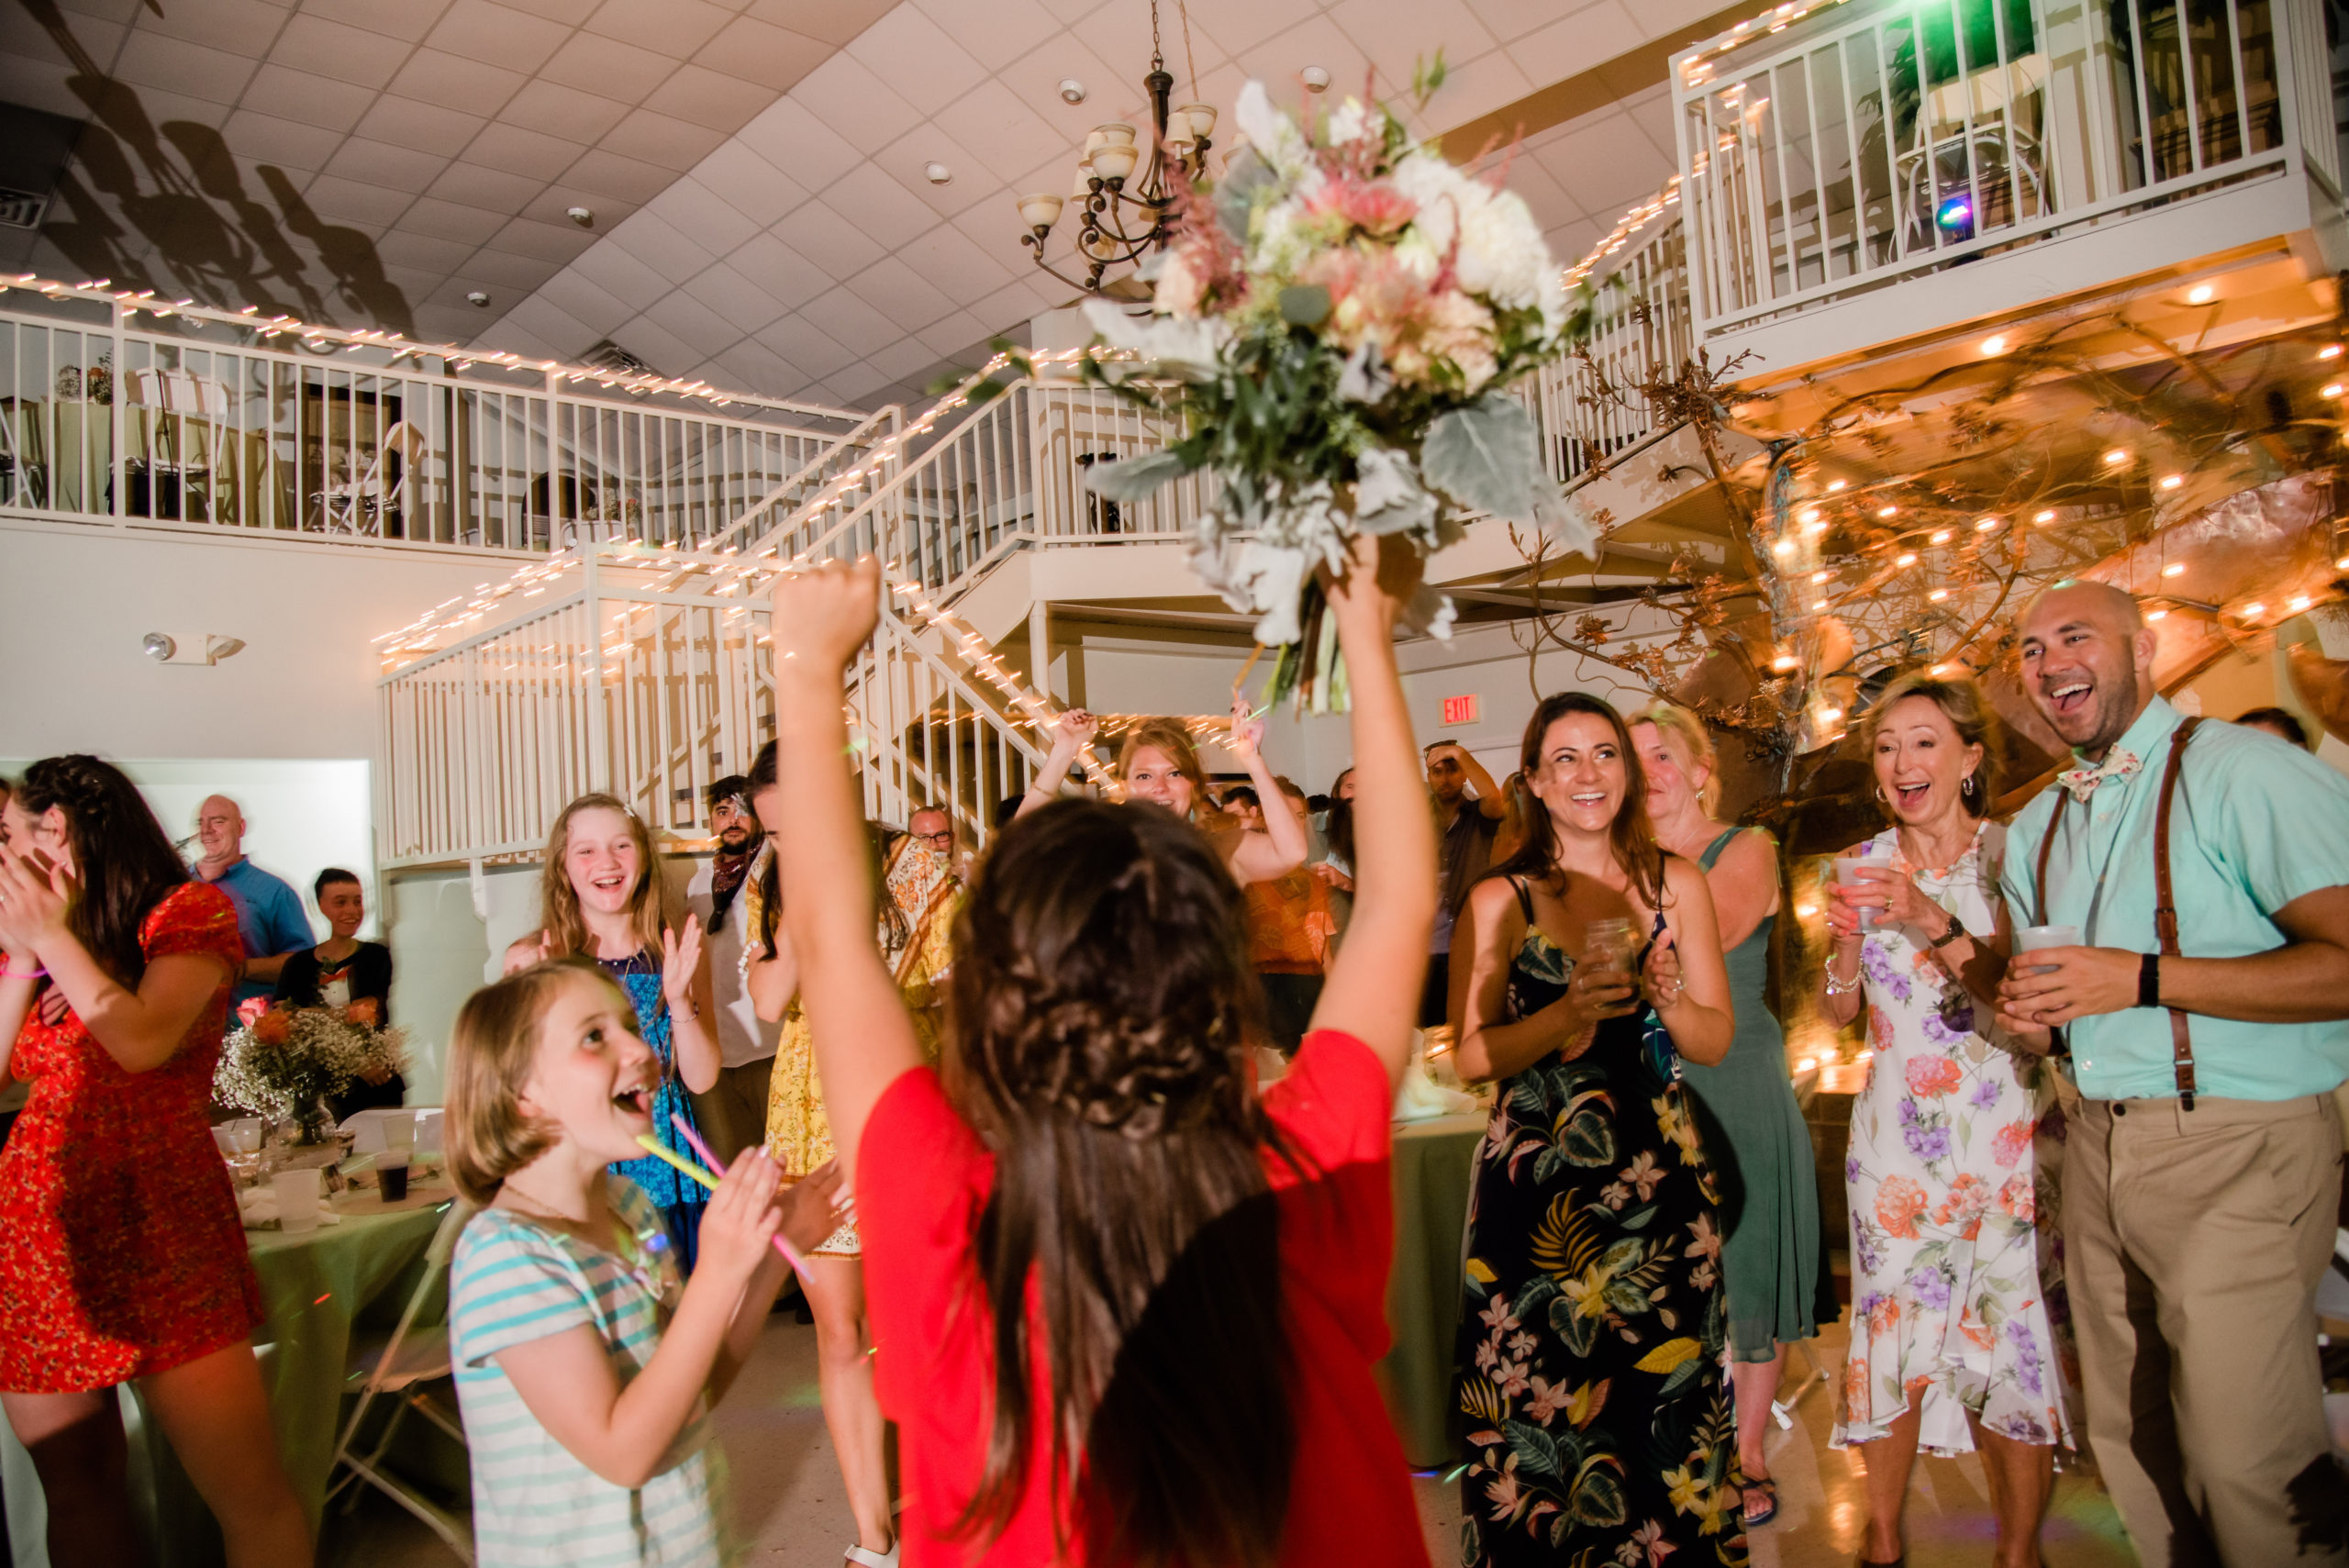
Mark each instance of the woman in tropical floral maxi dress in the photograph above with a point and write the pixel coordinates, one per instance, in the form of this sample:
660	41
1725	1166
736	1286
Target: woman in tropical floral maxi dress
1599	1426
1954	1332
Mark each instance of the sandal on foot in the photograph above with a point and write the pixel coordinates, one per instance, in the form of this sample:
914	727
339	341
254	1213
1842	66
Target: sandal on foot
1768	1487
865	1558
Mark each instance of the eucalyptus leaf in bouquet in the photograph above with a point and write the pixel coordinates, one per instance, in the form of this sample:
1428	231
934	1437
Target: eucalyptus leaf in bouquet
1337	328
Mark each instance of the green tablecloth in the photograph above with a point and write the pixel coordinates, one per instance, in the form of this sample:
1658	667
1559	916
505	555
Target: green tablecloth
1431	1169
315	1289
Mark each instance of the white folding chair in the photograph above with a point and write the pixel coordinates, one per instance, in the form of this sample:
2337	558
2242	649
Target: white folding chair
357	506
398	1366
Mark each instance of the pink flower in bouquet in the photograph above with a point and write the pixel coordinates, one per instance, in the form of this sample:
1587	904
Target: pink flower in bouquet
1375	206
275	1027
249	1011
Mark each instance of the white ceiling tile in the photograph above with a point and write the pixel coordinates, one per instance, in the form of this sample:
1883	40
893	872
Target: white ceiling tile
586	301
40	84
904	358
1479	87
657	346
426	127
856	384
410	19
882	209
1573	44
477	185
1069	11
558	243
552	108
962	268
529	154
608	67
751	185
353	201
239	27
607	174
790	137
515	340
380	163
907	160
1004	134
1317	41
900	293
452	220
1570	243
673	28
191	71
663	139
916	58
404	248
1607	165
469	86
856	103
953	335
1651	112
618	274
695	209
547	323
1510	19
780	270
736	297
776	58
803	346
507	271
1035	79
996	32
1243	24
704	328
346	53
753	367
711	98
272	141
835	22
482	30
1400	35
854	325
660	247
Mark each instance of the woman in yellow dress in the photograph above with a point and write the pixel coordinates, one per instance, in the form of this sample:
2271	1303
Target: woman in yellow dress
915	933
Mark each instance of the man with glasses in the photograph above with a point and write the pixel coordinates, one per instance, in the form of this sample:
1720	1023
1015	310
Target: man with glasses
734	1109
923	875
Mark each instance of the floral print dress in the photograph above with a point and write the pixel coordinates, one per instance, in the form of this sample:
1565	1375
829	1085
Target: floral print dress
1952	1274
1599	1426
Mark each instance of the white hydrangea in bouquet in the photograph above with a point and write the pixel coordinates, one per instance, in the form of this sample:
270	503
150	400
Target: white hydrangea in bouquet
1337	326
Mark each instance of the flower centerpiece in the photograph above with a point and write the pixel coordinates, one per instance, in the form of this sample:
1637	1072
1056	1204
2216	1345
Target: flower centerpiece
1337	326
286	1063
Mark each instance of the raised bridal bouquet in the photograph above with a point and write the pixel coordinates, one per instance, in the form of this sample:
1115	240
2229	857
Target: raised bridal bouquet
1342	317
286	1063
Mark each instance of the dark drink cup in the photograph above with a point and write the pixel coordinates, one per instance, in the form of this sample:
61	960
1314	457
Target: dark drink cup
391	1171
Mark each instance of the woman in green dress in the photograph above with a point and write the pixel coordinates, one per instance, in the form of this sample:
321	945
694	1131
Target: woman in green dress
1754	1130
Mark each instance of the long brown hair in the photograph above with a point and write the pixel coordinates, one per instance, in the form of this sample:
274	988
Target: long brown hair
122	858
558	901
1630	833
1100	1013
1174	738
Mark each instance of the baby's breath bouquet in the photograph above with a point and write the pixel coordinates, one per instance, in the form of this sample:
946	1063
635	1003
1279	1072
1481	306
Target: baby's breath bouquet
287	1063
1341	319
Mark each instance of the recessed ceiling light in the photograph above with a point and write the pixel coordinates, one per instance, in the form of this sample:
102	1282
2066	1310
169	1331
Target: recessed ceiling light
1316	79
937	173
1072	90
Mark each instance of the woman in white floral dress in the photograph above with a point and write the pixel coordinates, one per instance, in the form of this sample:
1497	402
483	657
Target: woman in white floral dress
1952	1341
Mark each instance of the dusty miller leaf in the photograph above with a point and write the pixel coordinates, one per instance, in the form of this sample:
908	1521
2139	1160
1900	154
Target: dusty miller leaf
1487	458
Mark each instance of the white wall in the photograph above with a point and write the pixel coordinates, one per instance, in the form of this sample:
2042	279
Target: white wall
74	602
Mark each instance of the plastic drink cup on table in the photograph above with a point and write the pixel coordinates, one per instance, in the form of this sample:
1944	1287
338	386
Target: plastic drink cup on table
244	1135
297	1199
391	1171
2031	939
399	1131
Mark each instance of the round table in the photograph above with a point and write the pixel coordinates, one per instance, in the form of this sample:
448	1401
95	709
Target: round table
315	1288
1432	1163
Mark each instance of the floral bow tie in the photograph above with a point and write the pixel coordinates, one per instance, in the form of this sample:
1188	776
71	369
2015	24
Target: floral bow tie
2082	782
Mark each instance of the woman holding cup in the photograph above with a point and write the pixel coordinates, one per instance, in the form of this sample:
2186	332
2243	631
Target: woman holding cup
1952	1344
1594	1248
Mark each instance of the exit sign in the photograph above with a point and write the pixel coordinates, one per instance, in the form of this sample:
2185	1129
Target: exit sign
1460	710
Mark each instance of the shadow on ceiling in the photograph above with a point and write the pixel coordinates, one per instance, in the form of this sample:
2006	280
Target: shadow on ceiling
166	207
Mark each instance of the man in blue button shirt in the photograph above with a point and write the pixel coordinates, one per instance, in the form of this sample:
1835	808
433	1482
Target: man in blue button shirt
269	913
2202	1170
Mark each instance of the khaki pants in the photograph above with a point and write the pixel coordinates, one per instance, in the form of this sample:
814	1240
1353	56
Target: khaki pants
733	1115
2194	1241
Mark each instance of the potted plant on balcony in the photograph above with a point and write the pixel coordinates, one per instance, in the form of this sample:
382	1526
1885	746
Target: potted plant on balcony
1337	326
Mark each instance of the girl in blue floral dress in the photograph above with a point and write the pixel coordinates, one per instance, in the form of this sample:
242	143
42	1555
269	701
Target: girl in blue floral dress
600	896
1598	1425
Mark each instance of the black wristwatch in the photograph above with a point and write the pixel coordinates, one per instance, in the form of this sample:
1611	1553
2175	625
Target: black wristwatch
1956	929
2149	980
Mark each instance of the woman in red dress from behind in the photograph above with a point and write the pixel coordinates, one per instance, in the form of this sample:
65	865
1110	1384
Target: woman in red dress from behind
121	1253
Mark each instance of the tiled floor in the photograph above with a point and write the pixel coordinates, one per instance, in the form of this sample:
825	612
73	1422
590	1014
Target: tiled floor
788	1503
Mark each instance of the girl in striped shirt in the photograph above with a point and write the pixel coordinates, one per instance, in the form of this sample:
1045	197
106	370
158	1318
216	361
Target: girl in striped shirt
585	1367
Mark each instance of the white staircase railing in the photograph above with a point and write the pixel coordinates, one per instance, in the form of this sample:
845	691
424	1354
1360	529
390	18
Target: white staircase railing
1588	405
129	411
648	678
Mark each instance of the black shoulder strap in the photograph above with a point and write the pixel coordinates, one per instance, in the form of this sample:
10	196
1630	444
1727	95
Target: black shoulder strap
1524	897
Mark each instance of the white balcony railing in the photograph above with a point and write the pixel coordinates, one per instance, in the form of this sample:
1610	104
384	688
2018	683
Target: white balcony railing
1877	139
116	412
648	680
1588	405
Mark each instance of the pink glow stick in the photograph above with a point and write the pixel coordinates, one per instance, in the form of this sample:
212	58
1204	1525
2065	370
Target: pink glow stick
686	1131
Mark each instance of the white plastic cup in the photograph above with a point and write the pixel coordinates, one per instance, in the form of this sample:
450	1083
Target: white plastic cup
1847	874
2031	939
244	1134
297	1199
399	1131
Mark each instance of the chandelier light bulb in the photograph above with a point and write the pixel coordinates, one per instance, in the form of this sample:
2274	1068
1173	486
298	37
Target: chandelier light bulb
1114	160
2329	351
1786	662
1938	594
1887	511
2046	516
2253	610
2174	569
1986	524
2155	614
1835	485
1940	535
2299	601
2116	457
1782	547
1906	558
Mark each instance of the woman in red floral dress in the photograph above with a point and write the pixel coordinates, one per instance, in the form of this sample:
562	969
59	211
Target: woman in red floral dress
121	1253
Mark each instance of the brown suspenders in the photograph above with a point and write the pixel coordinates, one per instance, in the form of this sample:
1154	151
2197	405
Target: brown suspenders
2164	898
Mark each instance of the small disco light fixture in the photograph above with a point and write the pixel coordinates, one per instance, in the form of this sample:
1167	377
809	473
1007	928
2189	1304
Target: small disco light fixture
1955	216
189	646
477	299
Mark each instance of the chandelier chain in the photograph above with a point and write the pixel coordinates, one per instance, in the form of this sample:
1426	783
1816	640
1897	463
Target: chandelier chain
1190	62
1155	52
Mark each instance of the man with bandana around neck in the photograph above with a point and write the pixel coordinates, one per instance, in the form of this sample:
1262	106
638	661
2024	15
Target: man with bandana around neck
2202	1164
735	1109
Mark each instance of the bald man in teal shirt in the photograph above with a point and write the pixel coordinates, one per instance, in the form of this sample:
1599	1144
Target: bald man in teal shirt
2202	1170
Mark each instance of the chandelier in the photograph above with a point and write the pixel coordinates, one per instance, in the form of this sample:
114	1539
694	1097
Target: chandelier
1125	217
